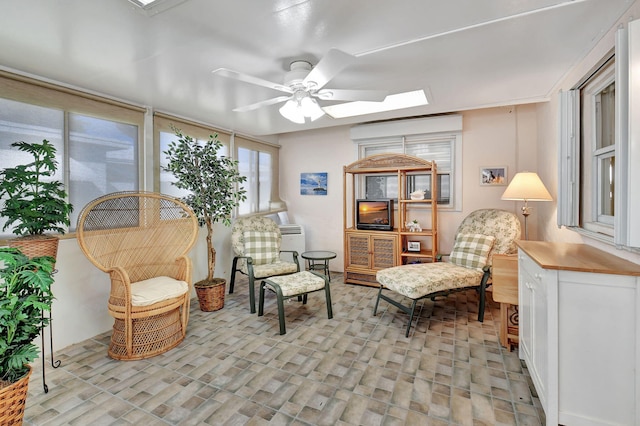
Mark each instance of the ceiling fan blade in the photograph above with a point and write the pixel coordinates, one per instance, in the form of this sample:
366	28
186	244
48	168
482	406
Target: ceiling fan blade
329	66
261	104
351	95
225	72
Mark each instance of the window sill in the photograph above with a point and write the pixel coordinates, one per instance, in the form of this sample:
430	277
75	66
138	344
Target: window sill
606	239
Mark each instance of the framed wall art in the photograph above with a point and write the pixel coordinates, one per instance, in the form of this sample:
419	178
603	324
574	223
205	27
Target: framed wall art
313	183
493	175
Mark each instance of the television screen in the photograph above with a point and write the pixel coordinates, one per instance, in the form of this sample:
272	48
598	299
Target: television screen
374	214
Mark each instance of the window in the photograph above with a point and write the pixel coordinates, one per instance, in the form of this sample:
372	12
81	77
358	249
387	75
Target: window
96	139
434	139
258	162
164	135
599	143
597	151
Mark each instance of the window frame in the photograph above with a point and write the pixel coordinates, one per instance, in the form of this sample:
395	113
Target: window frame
69	100
400	134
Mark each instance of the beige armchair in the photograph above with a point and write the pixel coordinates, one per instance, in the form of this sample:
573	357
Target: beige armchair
141	240
481	234
256	242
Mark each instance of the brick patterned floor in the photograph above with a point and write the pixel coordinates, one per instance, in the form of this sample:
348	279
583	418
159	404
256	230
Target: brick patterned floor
234	368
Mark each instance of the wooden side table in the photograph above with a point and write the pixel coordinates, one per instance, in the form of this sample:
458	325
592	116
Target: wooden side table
505	291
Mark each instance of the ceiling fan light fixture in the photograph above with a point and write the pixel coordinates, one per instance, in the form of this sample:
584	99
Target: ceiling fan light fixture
310	108
291	111
301	107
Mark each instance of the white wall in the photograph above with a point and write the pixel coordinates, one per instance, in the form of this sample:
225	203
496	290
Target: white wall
491	137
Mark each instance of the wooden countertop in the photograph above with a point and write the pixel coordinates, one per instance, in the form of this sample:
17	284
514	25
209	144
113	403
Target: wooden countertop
577	257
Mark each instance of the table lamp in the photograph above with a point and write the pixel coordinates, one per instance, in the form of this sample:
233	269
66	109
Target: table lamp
526	186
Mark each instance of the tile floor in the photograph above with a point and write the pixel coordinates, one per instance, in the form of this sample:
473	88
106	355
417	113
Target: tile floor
234	368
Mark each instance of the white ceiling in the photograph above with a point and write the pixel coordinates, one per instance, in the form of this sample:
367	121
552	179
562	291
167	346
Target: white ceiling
463	53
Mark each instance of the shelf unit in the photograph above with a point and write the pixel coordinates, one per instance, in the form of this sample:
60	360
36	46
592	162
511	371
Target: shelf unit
368	251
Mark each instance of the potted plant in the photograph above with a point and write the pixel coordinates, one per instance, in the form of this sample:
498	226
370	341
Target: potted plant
32	202
211	179
25	285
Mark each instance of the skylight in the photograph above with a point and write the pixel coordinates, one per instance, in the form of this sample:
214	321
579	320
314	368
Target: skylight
390	103
153	7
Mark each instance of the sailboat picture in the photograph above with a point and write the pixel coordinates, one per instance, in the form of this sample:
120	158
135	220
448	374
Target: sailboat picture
313	183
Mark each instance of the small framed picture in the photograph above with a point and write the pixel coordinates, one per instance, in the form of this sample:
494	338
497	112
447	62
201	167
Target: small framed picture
493	175
413	245
313	183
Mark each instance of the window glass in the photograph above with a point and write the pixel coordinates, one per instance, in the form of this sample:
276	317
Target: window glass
258	162
439	150
597	148
103	158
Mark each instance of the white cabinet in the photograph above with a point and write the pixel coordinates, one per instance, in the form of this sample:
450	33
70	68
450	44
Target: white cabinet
580	332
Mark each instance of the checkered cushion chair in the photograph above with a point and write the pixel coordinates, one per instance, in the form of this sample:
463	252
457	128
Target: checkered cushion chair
256	242
480	235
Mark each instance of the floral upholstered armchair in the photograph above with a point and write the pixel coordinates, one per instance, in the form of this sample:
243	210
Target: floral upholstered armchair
256	242
481	234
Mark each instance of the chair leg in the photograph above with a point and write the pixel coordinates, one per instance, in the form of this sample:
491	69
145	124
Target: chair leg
327	291
261	300
483	297
252	294
280	301
413	310
234	266
375	308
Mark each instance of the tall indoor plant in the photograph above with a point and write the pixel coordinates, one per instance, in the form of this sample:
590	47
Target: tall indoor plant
25	288
211	180
32	202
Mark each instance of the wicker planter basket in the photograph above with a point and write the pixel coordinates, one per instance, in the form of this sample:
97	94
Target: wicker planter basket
13	397
211	294
37	245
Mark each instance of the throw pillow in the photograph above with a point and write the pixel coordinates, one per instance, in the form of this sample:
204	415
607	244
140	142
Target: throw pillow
471	250
262	246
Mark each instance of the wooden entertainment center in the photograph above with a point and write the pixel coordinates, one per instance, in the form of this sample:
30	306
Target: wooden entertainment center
367	251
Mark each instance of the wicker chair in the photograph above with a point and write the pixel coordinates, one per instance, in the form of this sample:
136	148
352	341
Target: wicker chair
256	242
141	239
481	234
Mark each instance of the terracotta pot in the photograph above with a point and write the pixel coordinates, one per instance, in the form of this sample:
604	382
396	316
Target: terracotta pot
13	397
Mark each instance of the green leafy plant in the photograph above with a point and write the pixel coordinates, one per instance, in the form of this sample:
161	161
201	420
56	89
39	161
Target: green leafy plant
210	178
25	291
31	199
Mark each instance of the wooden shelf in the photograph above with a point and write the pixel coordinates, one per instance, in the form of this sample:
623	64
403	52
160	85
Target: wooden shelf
366	252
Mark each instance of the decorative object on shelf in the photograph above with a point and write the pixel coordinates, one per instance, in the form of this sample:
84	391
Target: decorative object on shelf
212	180
493	175
413	226
313	183
25	285
417	195
413	245
526	186
35	204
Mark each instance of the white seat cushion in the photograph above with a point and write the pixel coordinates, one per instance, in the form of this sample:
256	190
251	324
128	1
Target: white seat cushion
157	289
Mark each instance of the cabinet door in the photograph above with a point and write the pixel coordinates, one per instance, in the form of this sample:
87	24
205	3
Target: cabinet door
534	342
358	250
383	251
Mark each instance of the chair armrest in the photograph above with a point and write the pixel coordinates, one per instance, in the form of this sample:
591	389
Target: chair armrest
120	294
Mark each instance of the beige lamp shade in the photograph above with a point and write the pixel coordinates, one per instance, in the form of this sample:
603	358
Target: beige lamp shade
526	186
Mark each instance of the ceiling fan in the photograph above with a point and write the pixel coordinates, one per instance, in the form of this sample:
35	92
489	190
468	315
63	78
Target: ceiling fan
303	84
